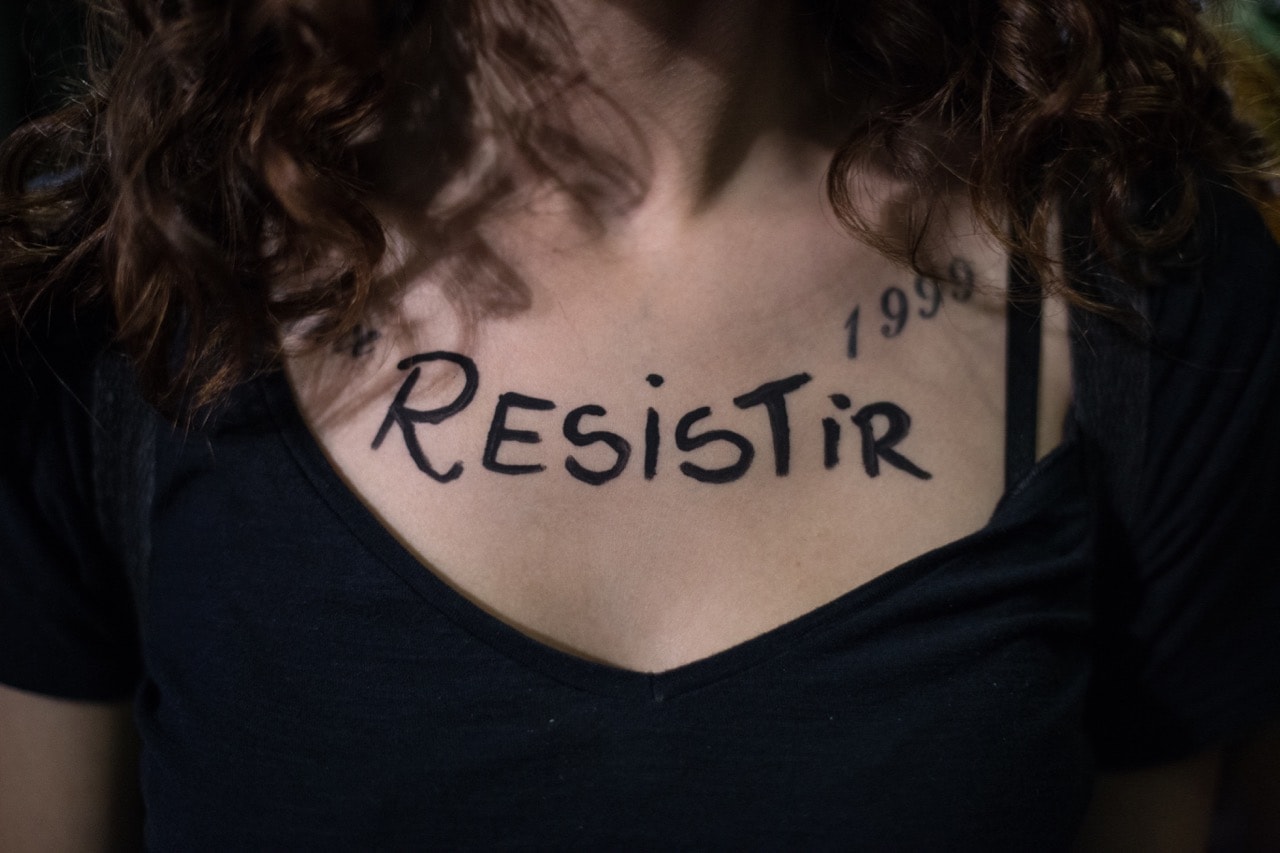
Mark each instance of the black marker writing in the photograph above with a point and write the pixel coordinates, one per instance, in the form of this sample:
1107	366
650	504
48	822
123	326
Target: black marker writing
831	433
876	448
358	342
499	432
930	292
882	428
963	279
688	443
652	439
893	304
896	303
652	435
399	413
773	395
573	432
851	349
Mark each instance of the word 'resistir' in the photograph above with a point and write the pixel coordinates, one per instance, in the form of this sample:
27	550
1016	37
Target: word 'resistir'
881	426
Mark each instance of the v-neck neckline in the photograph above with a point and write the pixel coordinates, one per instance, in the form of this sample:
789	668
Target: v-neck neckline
581	672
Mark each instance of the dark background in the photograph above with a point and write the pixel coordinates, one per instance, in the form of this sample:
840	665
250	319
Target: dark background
40	56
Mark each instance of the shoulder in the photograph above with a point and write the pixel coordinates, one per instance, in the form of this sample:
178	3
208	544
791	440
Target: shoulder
1214	352
1187	422
1218	304
66	619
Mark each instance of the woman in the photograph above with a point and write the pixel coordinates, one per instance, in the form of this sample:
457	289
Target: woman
637	422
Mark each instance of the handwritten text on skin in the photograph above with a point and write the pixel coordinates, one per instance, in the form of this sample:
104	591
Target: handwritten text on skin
881	428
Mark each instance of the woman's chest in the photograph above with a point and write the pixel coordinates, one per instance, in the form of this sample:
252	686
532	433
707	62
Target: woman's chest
351	693
646	488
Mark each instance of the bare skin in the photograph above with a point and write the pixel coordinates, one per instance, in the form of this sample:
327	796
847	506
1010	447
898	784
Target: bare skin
731	272
68	775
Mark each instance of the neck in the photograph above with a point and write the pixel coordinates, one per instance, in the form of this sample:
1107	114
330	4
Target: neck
715	91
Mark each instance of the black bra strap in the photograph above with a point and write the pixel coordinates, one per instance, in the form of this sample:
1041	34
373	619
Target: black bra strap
1022	372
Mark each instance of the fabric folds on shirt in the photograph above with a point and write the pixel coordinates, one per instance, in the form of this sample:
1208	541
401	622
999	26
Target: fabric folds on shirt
300	680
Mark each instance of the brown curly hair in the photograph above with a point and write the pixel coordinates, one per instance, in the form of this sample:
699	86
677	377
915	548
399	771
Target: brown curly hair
217	181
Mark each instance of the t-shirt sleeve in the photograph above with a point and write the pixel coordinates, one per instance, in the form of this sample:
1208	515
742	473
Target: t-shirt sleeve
67	627
1188	590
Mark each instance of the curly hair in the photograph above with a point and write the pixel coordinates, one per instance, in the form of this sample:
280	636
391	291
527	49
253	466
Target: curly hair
222	178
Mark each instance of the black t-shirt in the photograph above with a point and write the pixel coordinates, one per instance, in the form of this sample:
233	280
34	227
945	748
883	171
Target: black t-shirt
301	681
